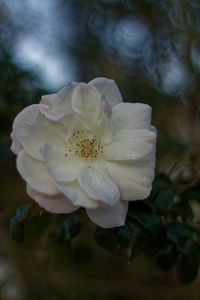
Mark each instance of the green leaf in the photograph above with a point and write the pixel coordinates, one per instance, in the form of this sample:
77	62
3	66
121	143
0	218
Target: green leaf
139	240
146	217
16	229
71	227
66	226
17	222
167	257
164	201
121	240
162	182
106	239
22	212
181	235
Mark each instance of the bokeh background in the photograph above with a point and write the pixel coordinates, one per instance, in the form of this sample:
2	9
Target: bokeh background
152	50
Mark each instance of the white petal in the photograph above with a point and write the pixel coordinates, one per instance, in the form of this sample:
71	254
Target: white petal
131	116
108	89
98	185
134	178
48	109
130	144
58	203
32	137
108	216
76	194
86	103
49	99
34	172
26	117
49	114
62	166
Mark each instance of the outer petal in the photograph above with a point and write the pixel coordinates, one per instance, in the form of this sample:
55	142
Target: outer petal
35	174
26	117
86	103
58	105
76	194
32	137
130	144
62	166
131	116
134	178
98	185
108	89
53	203
108	216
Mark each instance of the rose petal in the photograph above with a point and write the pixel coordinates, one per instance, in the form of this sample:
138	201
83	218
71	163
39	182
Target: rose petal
108	89
53	203
108	216
86	103
32	137
131	116
130	144
26	117
98	185
62	166
76	194
134	178
34	172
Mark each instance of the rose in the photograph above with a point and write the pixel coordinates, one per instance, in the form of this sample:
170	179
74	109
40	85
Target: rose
84	147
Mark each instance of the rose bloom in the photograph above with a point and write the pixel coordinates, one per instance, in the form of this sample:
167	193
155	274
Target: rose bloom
84	147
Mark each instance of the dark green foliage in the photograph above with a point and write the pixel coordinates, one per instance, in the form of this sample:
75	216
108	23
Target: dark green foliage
66	226
164	201
144	214
17	222
167	257
181	235
152	227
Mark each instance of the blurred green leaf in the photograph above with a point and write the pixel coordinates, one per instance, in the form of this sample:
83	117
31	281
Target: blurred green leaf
181	236
17	222
162	182
22	212
66	226
146	217
106	239
71	227
16	229
123	239
164	201
167	257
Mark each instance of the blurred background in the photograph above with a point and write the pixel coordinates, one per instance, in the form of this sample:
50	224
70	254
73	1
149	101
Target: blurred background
152	50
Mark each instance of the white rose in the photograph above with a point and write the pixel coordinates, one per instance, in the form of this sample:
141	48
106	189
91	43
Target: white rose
84	147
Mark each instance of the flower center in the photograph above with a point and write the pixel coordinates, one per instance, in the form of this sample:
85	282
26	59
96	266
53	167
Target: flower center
85	146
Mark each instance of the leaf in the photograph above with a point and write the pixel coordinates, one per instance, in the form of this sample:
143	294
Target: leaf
167	257
22	212
66	226
16	229
17	222
71	227
146	217
138	241
181	235
121	240
164	201
106	239
162	182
